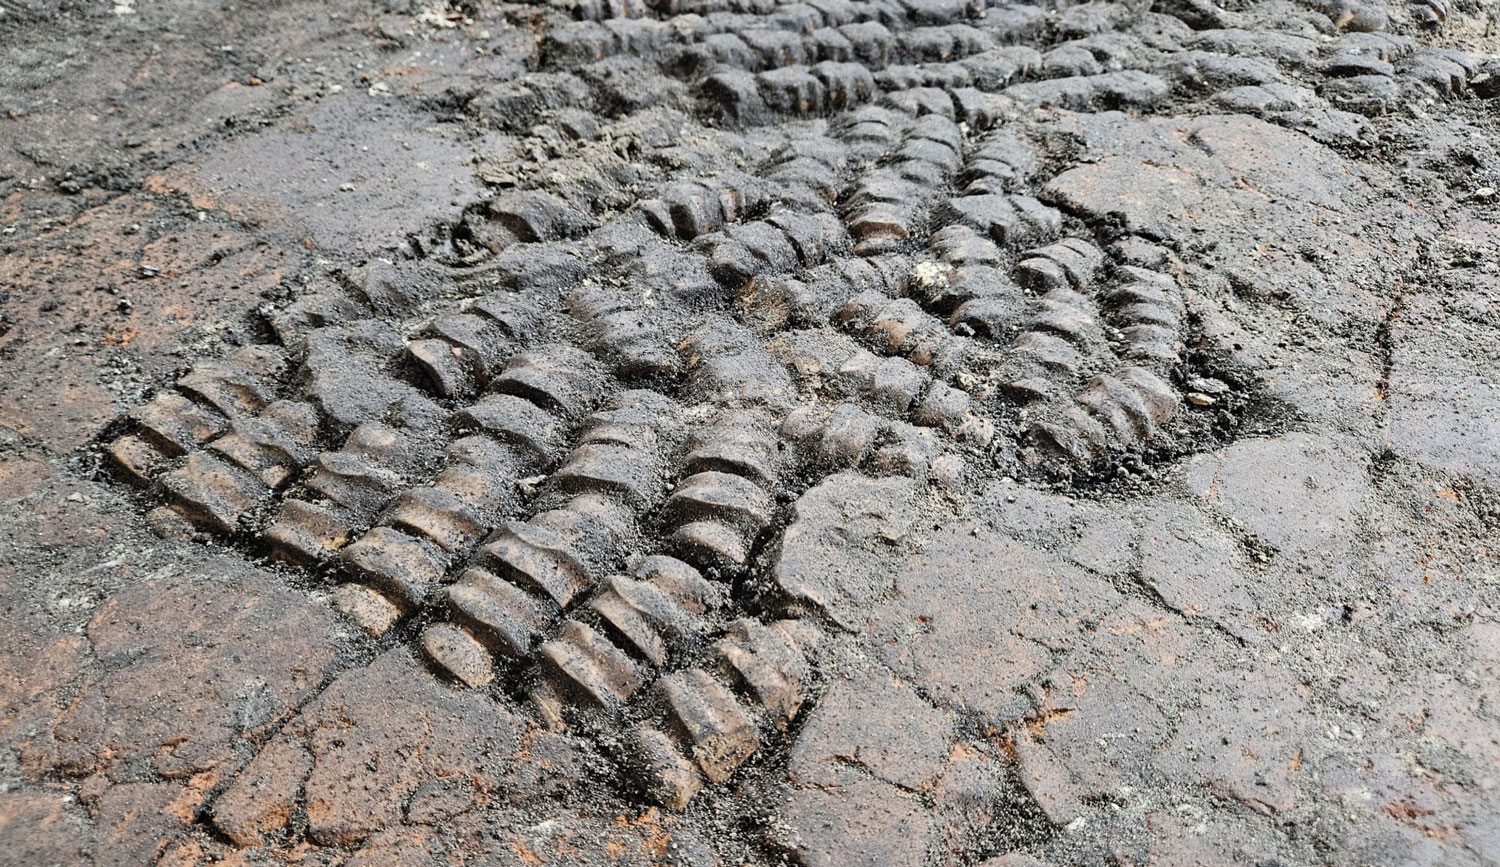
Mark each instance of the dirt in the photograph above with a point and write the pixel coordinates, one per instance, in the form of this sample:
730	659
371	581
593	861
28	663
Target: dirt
611	432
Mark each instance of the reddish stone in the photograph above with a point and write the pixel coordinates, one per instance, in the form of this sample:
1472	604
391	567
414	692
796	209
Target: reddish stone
1297	494
192	664
877	722
836	552
380	733
975	615
264	793
862	822
42	828
134	823
64	345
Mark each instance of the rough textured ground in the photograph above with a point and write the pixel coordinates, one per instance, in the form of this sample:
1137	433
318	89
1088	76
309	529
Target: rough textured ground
721	432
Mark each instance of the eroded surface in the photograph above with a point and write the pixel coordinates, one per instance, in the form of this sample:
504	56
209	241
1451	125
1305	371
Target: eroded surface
730	433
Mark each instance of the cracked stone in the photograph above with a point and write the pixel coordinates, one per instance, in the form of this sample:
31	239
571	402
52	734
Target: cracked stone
377	734
971	643
877	722
238	653
836	550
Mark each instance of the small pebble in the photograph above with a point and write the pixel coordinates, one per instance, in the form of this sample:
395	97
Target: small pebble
948	472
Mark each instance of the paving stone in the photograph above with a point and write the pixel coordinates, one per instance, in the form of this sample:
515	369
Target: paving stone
1085	534
221	263
873	721
134	823
861	822
240	655
1297	494
1217	841
37	663
1242	733
719	733
1101	735
42	828
264	794
1109	90
1295	177
971	795
968	645
1441	399
1198	571
458	652
1174	549
1013	859
772	662
1048	782
400	847
836	552
377	734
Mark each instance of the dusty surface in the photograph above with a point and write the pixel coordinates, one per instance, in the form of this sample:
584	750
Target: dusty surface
905	432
